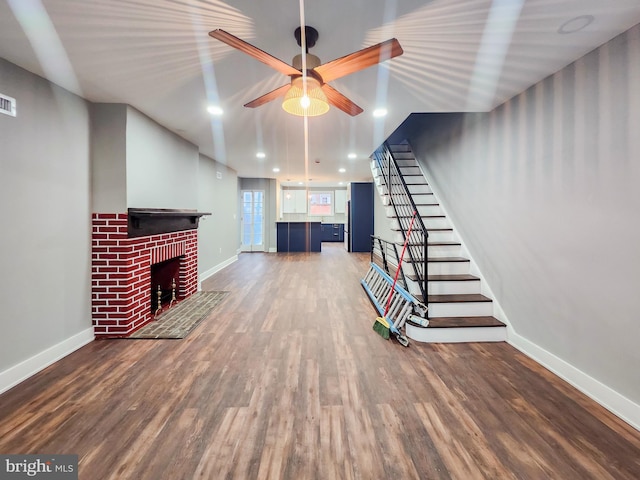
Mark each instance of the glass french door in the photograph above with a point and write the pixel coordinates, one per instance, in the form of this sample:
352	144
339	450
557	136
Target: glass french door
252	231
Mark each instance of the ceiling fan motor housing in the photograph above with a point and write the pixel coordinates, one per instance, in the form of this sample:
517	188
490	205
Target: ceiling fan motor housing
312	61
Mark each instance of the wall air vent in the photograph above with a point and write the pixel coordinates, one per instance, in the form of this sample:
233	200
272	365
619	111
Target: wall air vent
7	105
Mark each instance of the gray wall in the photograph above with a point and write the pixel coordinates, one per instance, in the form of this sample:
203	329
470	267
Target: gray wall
162	168
218	238
109	157
545	193
137	163
46	217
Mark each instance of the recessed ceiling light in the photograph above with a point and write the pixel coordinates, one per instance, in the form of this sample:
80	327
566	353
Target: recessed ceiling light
340	183
261	155
342	170
276	169
215	110
300	183
352	156
576	24
379	112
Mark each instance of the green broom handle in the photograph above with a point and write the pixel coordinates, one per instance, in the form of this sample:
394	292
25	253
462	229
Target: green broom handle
404	247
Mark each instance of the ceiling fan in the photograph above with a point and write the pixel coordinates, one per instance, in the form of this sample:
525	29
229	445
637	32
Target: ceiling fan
319	94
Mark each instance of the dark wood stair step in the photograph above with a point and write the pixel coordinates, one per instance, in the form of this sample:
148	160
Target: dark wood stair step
458	322
407	259
447	259
431	244
409	215
458	298
462	277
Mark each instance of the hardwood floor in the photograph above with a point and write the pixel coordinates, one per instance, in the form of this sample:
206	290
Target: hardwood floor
287	380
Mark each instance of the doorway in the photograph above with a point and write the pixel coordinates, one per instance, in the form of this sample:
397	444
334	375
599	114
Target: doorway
252	224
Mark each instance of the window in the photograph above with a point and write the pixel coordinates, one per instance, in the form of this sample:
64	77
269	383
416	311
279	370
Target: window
321	204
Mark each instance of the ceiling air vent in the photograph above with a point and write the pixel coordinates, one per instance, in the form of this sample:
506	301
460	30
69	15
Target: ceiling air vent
7	105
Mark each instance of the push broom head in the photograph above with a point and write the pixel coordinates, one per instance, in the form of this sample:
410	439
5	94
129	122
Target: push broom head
381	327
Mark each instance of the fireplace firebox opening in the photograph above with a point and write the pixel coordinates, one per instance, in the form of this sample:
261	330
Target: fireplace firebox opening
165	284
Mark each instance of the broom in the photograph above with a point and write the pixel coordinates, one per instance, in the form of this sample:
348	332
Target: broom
381	325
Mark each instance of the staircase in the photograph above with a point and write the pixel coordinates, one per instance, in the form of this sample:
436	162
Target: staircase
457	310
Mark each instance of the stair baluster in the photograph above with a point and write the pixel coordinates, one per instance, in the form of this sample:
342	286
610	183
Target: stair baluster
404	206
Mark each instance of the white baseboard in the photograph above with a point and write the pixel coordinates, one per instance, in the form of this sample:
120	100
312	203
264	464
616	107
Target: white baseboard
604	395
273	250
204	275
29	367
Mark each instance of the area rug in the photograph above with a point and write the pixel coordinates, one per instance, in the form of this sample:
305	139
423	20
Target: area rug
180	320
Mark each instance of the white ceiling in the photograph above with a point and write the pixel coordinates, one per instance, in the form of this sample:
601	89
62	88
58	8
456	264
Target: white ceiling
459	55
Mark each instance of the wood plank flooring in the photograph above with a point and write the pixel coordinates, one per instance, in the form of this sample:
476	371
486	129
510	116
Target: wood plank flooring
287	380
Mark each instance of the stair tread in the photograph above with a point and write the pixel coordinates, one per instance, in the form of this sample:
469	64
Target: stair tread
461	277
432	244
458	298
397	229
457	322
448	259
452	277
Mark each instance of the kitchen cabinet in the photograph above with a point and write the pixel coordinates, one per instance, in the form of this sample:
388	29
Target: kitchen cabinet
333	232
299	236
294	201
340	201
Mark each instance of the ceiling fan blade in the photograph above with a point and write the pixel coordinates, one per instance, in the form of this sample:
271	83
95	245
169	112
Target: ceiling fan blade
359	60
255	52
340	101
267	97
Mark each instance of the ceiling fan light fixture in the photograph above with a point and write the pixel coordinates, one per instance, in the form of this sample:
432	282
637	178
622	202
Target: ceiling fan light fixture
312	105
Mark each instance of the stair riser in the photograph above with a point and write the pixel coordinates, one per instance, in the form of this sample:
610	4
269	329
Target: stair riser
448	268
441	236
452	288
410	170
414	189
438	268
457	335
429	223
424	199
423	210
403	151
406	162
445	288
434	236
419	189
419	199
435	251
415	180
461	309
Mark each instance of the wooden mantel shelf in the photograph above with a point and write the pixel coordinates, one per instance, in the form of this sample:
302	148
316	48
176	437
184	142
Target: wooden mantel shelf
152	221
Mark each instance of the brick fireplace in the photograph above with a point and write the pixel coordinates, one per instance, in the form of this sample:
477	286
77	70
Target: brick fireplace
124	247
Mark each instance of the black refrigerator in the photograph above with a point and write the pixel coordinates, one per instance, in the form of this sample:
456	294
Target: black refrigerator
360	217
